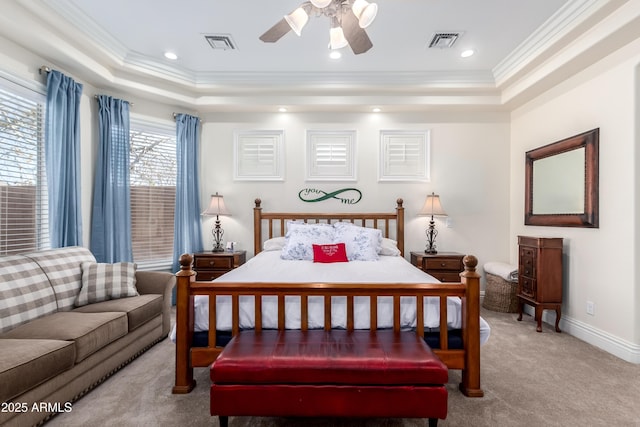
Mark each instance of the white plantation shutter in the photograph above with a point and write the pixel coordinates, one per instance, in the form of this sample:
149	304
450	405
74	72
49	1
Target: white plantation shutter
404	155
330	155
24	220
153	174
258	155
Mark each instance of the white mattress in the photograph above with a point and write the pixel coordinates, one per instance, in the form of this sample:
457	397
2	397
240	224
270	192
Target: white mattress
268	267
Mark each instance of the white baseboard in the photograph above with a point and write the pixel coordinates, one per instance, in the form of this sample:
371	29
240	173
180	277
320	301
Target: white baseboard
625	350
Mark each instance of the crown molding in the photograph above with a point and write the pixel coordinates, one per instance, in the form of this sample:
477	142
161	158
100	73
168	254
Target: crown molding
95	34
572	14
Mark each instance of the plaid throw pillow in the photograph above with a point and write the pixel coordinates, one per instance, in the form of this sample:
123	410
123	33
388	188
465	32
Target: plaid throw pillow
102	282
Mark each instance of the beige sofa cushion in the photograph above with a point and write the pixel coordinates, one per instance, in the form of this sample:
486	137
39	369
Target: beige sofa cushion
139	309
26	363
89	331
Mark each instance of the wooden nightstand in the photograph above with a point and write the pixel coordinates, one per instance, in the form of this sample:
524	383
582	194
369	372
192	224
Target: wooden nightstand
209	265
444	266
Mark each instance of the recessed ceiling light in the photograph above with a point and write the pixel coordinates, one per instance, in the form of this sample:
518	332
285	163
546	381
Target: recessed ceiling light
282	110
467	53
170	55
335	54
376	110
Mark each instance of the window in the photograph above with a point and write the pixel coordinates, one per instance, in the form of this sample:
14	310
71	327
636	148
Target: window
404	156
153	191
331	155
24	222
258	155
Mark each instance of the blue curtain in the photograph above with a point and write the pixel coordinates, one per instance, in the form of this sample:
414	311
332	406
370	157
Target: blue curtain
187	227
111	214
62	160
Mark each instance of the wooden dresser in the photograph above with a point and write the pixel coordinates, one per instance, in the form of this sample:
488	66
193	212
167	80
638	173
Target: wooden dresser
210	265
444	266
540	276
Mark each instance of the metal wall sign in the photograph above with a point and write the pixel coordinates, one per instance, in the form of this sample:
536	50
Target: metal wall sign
348	196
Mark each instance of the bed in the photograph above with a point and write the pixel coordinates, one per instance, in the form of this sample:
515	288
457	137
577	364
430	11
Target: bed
450	320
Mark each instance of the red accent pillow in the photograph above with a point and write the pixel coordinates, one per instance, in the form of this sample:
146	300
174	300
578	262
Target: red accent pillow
334	252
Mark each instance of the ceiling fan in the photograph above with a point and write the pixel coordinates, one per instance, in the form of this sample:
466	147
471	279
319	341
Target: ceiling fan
348	20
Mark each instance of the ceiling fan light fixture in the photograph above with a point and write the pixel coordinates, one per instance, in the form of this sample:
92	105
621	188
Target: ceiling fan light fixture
321	4
365	12
297	20
348	18
337	39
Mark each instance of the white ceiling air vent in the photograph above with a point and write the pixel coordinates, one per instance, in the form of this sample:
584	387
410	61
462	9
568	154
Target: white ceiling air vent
444	40
221	41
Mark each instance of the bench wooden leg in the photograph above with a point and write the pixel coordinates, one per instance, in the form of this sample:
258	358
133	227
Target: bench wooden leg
224	421
433	422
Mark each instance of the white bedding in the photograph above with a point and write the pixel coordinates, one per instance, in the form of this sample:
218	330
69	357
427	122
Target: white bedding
268	267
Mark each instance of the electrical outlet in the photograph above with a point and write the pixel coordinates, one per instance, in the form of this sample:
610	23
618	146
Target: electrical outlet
449	223
591	307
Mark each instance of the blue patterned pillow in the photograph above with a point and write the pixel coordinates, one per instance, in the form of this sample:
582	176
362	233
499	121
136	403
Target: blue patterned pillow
301	237
363	244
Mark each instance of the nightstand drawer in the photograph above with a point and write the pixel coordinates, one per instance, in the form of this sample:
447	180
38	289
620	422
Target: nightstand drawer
442	264
208	275
445	276
225	263
211	265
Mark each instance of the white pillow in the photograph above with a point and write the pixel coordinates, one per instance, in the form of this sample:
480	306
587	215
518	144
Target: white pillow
102	282
301	237
274	244
389	247
363	244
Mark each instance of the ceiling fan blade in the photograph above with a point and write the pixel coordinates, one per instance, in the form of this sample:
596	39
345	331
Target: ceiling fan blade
276	32
356	36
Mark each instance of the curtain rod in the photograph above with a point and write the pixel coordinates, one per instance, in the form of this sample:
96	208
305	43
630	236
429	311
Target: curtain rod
44	69
176	115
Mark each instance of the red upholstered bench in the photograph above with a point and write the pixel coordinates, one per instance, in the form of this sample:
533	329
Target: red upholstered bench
335	373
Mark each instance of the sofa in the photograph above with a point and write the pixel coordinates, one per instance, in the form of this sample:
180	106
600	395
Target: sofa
67	323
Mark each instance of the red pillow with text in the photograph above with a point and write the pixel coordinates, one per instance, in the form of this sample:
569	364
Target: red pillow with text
333	252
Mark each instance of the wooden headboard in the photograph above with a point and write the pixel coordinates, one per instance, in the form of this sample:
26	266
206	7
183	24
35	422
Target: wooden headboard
275	223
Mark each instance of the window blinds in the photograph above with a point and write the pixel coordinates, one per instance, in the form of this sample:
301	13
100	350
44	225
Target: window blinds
23	196
153	190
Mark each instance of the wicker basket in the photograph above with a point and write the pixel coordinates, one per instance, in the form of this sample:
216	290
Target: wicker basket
500	294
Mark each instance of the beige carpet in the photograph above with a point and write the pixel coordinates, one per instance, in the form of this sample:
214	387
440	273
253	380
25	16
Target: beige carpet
529	379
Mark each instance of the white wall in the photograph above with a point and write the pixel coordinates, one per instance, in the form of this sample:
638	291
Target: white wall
599	263
469	170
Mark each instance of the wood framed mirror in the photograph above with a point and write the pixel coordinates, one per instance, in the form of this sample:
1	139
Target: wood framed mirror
561	182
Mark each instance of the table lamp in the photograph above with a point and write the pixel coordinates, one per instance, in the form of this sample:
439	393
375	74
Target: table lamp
433	208
217	208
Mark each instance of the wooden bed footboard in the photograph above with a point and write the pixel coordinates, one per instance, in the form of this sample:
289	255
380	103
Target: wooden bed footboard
468	290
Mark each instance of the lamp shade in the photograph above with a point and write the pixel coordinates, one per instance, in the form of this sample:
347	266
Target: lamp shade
216	206
321	3
365	12
297	20
432	206
337	39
